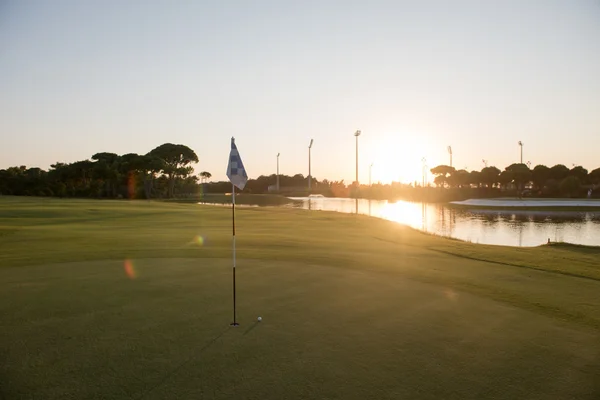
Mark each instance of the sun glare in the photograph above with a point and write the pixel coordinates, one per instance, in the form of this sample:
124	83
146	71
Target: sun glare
399	158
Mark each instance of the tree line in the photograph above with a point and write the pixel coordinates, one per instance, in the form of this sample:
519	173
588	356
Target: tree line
167	172
544	181
449	184
159	173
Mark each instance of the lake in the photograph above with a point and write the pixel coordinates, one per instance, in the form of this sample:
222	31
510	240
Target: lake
502	227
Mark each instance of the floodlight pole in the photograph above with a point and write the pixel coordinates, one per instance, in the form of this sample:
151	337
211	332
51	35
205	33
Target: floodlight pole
309	172
357	134
521	145
424	161
278	172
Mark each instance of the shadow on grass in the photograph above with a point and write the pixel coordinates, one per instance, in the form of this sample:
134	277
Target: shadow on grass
513	264
183	364
579	248
251	327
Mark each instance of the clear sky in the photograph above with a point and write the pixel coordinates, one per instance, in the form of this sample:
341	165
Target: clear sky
80	77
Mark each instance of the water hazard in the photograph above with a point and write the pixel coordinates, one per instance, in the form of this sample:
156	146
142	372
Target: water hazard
501	227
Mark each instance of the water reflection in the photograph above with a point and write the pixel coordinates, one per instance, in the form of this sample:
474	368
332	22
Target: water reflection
513	227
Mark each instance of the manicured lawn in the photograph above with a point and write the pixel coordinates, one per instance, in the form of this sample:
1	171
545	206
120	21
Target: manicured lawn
261	200
117	299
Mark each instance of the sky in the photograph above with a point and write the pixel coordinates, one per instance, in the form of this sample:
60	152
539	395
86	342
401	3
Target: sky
81	77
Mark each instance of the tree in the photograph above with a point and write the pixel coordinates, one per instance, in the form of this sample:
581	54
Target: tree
23	181
299	180
595	176
141	166
35	182
130	170
559	172
5	182
460	178
570	186
443	172
520	173
14	180
552	187
205	176
187	186
75	179
580	173
176	159
82	173
339	189
148	166
540	176
505	178
490	176
106	168
475	178
440	180
58	176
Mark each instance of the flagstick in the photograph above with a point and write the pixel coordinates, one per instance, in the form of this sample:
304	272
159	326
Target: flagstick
234	323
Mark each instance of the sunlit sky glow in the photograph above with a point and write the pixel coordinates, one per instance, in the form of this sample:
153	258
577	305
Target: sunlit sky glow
80	77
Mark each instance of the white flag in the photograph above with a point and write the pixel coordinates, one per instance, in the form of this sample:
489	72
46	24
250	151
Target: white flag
235	170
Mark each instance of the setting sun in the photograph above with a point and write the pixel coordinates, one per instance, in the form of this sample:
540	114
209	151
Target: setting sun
399	158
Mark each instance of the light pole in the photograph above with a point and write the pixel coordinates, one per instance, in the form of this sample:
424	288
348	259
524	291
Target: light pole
450	152
278	172
485	163
521	146
357	134
309	174
370	171
424	161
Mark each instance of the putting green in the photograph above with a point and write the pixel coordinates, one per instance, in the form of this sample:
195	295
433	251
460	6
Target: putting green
132	299
158	328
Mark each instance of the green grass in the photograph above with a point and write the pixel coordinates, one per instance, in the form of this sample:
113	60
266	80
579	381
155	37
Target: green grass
261	200
353	307
244	199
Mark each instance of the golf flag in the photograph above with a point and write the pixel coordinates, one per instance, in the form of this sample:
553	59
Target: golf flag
238	178
235	170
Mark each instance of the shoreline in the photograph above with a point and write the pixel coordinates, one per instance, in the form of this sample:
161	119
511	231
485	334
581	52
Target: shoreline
530	204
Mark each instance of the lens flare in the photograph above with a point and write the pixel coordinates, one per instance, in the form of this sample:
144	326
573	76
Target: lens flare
451	294
131	186
130	269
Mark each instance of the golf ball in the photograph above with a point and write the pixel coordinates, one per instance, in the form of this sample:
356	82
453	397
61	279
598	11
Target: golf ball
259	319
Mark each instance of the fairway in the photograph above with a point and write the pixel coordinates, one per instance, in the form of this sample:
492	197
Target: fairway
131	300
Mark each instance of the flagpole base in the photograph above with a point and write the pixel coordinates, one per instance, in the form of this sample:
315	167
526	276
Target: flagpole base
234	324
